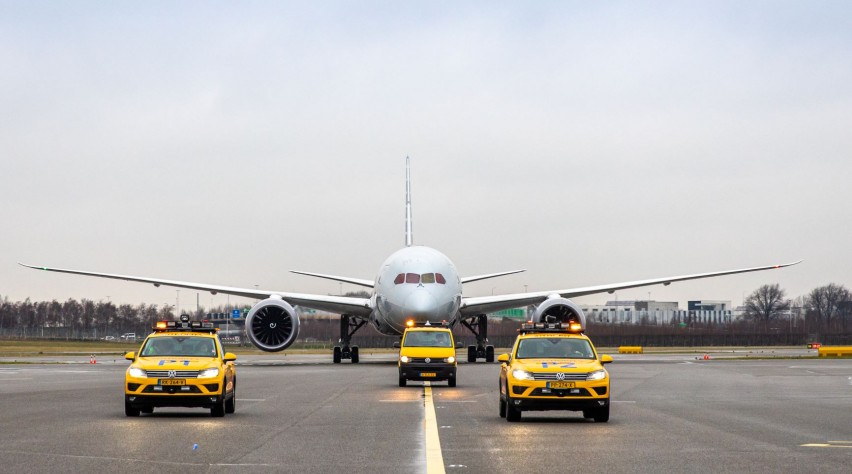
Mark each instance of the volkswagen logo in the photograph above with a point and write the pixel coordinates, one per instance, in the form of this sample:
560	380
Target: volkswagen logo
560	376
272	325
172	374
428	360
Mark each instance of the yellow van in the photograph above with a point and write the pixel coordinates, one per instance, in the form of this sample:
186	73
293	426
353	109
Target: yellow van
427	353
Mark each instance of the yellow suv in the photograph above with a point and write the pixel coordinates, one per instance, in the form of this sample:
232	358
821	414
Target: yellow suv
181	364
554	366
427	352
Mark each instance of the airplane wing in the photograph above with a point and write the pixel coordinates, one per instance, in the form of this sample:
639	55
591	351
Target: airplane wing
358	307
354	281
490	275
489	304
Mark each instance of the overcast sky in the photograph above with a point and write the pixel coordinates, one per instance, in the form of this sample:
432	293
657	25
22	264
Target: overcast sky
587	142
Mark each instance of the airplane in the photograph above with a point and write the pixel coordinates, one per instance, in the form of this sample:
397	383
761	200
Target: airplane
415	283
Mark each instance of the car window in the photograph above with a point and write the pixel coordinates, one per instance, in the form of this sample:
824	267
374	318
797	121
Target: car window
186	346
427	339
554	348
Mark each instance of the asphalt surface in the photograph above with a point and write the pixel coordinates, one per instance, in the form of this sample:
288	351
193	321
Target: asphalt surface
302	414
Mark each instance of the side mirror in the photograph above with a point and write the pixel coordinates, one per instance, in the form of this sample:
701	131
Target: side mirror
503	358
459	345
396	345
230	357
130	356
606	359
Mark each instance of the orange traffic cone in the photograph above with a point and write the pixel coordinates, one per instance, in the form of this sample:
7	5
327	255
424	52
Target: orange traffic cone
93	359
706	357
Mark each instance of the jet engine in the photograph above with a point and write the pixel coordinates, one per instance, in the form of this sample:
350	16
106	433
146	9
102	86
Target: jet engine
272	325
556	309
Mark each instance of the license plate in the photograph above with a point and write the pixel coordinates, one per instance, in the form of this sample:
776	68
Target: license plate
561	385
172	382
428	374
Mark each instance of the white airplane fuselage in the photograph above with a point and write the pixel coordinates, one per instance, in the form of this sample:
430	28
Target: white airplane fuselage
415	283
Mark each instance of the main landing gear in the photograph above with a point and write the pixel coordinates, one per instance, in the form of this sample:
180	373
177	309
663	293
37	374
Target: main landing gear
348	327
478	325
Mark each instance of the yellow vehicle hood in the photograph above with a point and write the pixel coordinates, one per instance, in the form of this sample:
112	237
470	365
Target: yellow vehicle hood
558	365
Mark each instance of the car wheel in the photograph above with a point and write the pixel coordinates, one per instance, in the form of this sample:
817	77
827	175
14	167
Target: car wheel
402	381
512	413
502	407
601	415
231	404
451	382
218	409
129	410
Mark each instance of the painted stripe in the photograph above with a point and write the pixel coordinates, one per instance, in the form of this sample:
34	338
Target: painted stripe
434	457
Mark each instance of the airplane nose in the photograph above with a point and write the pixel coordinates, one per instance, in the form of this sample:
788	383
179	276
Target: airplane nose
422	306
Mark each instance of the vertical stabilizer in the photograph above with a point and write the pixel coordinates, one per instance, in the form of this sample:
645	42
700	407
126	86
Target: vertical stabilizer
409	236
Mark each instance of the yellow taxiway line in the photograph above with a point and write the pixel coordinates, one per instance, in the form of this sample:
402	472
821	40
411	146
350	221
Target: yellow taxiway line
434	457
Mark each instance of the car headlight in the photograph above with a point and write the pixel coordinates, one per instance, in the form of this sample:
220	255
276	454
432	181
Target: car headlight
404	359
520	374
597	375
450	360
137	372
208	373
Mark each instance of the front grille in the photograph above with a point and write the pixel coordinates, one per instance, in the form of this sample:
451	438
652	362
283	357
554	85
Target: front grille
171	389
577	392
179	374
422	360
552	376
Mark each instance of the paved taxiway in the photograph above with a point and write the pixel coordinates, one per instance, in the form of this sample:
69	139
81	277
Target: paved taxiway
669	414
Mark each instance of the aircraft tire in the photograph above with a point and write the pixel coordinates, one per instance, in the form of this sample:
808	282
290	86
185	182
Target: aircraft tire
337	354
354	354
471	353
489	353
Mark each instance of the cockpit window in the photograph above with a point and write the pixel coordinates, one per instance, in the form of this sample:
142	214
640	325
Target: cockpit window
424	278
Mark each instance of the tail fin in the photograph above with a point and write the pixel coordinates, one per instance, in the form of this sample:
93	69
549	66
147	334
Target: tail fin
409	236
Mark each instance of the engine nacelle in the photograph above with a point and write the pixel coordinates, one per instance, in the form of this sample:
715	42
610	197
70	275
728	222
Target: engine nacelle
556	309
272	325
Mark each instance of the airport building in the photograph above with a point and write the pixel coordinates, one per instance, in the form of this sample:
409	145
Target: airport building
659	312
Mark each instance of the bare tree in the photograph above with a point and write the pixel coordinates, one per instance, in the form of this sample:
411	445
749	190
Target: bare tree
766	303
825	303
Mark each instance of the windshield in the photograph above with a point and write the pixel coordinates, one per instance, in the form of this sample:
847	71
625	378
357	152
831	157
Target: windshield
187	346
554	348
427	339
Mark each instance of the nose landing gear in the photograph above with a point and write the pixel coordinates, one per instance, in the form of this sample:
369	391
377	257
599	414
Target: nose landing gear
481	350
